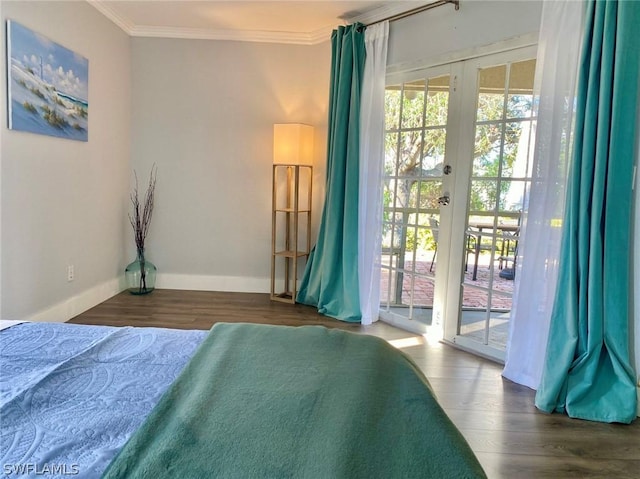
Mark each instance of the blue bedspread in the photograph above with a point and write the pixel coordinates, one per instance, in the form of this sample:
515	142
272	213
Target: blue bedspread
70	396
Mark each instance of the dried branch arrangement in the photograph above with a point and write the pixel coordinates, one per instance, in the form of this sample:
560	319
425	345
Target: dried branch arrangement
140	220
141	217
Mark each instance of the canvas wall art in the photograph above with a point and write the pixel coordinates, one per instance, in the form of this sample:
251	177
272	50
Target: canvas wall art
48	86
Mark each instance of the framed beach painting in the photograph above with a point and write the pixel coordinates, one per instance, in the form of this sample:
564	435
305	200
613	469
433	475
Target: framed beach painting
48	86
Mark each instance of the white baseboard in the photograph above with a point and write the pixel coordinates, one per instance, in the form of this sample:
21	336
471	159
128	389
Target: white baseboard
235	284
79	303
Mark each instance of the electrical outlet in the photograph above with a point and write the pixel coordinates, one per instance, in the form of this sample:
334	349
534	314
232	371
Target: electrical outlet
70	273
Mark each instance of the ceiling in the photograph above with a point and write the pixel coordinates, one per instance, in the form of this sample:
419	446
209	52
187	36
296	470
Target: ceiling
289	21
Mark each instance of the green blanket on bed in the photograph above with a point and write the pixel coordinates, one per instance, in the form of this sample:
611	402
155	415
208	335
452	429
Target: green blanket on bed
309	402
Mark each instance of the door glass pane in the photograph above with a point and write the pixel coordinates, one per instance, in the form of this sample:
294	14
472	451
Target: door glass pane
392	97
520	97
409	154
491	91
414	156
391	154
483	196
512	196
429	192
487	150
437	101
499	179
433	152
413	105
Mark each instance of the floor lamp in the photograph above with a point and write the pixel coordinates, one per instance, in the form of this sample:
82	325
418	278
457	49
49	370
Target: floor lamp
291	206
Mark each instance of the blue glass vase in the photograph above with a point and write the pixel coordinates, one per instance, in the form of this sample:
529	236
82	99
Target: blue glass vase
140	275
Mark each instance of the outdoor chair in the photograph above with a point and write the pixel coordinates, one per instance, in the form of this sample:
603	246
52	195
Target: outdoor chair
508	254
474	246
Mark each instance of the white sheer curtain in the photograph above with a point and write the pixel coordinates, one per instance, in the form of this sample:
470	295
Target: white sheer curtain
371	166
556	73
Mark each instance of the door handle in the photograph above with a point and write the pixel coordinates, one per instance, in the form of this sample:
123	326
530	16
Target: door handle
444	200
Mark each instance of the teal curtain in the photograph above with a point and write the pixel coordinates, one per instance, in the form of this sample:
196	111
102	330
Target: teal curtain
587	371
330	280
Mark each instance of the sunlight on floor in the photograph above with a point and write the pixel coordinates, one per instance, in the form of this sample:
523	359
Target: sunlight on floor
407	342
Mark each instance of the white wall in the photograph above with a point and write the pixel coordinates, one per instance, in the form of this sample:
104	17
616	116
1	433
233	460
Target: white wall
444	34
65	202
203	112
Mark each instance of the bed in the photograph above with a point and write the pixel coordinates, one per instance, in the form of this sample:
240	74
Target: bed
241	400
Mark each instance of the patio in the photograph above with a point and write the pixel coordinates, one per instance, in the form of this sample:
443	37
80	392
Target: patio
474	292
475	298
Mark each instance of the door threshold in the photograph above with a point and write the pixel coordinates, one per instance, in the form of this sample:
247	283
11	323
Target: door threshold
477	349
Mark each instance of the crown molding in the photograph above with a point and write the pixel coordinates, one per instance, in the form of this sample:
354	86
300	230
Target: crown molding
213	34
295	38
321	35
133	30
104	8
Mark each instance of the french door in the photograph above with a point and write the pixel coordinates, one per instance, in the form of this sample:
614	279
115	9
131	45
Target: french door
457	168
415	178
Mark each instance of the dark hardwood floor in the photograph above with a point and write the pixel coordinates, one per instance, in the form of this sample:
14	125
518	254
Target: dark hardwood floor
511	438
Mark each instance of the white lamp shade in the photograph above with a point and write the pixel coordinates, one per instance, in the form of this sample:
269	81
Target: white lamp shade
292	144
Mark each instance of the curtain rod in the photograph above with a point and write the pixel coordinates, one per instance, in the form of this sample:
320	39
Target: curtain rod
413	11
